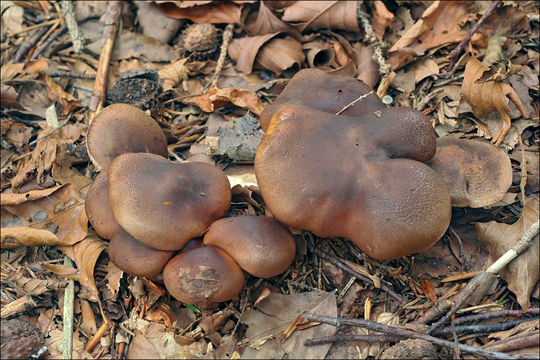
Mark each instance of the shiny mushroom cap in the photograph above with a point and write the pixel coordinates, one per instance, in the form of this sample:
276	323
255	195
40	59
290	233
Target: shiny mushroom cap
361	178
136	258
163	203
325	92
477	173
98	209
259	244
123	128
203	276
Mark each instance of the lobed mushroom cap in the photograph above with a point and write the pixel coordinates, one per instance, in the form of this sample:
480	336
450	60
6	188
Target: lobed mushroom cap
477	173
259	244
98	209
325	92
202	276
163	203
136	258
123	128
355	177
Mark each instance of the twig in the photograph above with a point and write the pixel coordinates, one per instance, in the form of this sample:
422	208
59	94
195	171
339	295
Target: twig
482	280
69	295
74	32
33	27
399	332
51	132
455	53
46	43
69	74
384	68
494	314
515	342
484	328
351	104
29	43
18	306
349	337
344	267
112	18
227	36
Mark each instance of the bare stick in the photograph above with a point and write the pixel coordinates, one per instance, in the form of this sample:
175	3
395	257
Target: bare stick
347	269
384	68
399	332
481	280
455	53
227	36
69	297
48	42
74	32
351	104
484	328
29	44
349	337
494	314
112	18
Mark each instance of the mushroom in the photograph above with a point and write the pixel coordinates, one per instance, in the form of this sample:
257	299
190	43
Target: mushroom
322	91
98	209
203	276
477	173
362	177
163	203
122	128
136	258
259	244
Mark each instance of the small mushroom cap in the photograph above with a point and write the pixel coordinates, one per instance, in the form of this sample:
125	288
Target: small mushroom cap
203	276
353	177
325	92
123	128
259	244
98	209
136	258
477	173
163	203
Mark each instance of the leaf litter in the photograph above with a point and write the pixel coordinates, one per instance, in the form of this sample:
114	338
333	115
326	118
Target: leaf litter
46	173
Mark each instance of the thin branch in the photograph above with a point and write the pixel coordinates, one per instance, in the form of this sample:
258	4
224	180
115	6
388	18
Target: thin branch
227	36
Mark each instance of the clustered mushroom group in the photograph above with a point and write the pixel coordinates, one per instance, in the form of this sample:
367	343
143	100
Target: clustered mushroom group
150	208
334	160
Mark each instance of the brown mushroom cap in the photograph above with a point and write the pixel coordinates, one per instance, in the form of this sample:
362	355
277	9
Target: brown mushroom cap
259	244
477	173
203	276
98	209
355	177
135	258
122	128
322	91
163	203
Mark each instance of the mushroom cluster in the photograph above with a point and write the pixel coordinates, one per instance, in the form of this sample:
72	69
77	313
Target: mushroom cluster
151	209
360	175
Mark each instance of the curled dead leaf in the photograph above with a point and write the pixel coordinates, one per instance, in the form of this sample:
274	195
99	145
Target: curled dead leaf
266	22
266	52
314	15
319	53
522	273
52	216
489	96
173	73
382	19
216	98
8	98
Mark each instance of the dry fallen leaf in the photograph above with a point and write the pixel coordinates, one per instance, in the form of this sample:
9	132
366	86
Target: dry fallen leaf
439	25
272	316
8	98
490	96
315	15
218	12
266	52
56	93
173	73
216	98
382	19
521	274
85	255
52	216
